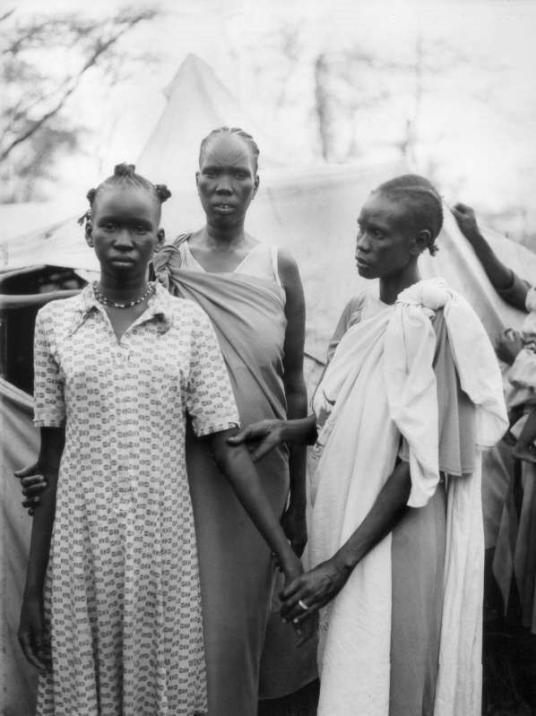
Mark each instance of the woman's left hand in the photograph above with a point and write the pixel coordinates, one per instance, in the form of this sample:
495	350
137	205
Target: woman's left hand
310	591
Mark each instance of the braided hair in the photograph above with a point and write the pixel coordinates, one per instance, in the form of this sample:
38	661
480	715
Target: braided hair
125	174
421	200
236	132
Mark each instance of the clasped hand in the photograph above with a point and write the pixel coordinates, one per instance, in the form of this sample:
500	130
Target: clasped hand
313	589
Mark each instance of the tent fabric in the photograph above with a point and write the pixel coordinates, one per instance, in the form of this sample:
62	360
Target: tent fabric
34	299
55	244
197	102
28	217
19	447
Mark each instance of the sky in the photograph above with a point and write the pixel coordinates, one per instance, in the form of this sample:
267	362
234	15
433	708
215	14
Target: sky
478	124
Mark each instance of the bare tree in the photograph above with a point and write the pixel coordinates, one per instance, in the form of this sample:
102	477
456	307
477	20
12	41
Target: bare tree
43	61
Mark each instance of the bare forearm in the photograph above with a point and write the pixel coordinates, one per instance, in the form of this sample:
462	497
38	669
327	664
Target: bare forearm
384	515
499	275
510	286
236	465
297	470
52	441
301	431
297	409
43	522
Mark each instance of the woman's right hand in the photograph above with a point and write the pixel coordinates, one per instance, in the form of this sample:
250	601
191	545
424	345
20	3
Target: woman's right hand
33	483
30	634
267	434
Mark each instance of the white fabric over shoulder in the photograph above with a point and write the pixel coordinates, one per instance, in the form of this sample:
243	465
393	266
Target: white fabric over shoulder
379	386
409	345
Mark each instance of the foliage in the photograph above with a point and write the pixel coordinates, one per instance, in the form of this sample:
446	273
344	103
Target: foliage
43	61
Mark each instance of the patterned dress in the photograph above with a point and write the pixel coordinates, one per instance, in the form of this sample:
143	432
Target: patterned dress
122	595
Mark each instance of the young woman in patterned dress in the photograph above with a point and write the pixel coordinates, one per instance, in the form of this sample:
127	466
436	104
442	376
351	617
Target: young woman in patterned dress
111	613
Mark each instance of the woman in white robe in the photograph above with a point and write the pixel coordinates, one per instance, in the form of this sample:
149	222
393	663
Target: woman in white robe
412	391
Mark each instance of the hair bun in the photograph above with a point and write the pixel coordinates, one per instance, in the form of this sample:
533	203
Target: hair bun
162	192
124	170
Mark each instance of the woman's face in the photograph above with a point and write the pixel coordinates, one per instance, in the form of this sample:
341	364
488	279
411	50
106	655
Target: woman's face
124	229
386	243
227	180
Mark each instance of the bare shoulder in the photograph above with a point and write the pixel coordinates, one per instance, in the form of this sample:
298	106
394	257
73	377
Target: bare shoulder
289	272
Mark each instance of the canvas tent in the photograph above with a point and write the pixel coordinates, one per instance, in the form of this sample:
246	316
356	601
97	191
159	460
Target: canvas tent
310	211
28	217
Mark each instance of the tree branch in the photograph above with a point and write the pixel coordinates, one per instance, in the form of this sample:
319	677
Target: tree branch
100	49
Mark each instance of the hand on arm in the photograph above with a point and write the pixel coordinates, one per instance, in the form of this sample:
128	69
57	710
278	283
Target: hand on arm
31	619
319	586
502	278
267	434
32	485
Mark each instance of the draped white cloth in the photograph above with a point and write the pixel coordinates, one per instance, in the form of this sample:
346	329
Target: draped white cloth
379	386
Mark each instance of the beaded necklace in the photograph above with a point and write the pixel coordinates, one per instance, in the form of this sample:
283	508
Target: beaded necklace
105	301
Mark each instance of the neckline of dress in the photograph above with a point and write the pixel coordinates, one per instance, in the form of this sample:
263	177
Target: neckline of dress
187	246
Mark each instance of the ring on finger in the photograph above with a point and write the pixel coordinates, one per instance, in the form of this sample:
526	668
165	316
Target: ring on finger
303	605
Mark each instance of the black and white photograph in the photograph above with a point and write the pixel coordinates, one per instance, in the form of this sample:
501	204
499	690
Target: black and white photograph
268	358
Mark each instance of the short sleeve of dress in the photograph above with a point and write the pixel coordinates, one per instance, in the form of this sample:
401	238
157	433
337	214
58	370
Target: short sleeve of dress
210	400
49	404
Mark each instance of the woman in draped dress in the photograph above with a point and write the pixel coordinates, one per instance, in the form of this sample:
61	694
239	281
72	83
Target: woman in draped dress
411	390
253	294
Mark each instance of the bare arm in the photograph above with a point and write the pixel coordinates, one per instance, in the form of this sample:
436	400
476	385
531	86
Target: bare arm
296	395
235	463
30	630
319	586
384	515
504	280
